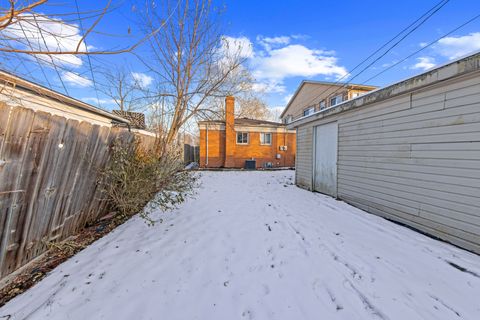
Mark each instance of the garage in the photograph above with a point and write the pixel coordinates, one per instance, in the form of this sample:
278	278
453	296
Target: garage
409	152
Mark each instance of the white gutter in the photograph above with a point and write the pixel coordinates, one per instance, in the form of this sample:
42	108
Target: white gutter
311	116
206	148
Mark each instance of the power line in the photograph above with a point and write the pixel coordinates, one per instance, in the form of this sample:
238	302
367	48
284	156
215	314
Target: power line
421	20
425	47
51	58
88	56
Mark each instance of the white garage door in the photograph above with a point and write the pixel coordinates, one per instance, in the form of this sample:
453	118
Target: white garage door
325	159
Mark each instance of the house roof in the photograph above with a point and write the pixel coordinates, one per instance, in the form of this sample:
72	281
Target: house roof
459	67
35	88
326	83
248	122
255	122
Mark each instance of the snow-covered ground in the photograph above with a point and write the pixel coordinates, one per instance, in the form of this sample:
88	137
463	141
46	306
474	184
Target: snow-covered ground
251	245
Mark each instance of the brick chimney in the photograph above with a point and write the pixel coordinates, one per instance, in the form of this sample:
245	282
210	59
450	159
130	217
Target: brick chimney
230	136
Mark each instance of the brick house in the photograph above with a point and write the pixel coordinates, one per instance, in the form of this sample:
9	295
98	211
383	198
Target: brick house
231	142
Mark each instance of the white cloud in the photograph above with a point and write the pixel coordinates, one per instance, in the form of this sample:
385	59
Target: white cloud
40	33
455	47
274	59
300	36
287	98
424	63
98	101
142	79
388	64
269	42
269	86
296	60
76	80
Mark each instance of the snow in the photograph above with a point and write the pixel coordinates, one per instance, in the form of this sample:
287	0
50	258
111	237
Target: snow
251	245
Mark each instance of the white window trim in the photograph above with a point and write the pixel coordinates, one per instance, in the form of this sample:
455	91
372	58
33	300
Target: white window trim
324	104
338	100
243	143
312	108
264	134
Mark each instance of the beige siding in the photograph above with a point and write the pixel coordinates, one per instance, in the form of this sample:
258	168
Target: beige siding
414	158
309	95
303	161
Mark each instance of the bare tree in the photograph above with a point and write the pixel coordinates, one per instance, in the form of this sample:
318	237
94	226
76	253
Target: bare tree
126	90
20	18
36	45
13	10
252	107
190	61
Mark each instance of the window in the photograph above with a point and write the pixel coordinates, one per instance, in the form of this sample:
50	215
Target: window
308	111
322	105
336	100
242	137
265	138
288	119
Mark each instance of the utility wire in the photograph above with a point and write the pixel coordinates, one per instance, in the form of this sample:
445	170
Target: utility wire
421	20
425	47
54	65
88	56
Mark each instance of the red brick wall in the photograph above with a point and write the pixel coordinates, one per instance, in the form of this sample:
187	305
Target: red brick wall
261	153
216	148
267	153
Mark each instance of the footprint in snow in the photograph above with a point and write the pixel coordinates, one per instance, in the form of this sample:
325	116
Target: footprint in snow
266	289
248	314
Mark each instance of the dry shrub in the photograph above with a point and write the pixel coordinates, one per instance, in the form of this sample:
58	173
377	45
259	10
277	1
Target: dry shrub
135	177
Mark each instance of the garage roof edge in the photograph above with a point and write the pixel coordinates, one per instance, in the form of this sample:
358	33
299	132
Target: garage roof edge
452	69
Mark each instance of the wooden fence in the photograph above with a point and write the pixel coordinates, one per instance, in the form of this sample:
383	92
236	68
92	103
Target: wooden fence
191	154
48	180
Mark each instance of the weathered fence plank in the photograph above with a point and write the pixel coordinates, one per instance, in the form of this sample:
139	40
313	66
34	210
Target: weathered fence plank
49	168
13	153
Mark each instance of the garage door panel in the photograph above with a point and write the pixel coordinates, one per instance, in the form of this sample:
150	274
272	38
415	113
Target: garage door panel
325	165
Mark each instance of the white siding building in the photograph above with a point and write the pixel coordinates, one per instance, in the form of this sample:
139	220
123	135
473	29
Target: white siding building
409	152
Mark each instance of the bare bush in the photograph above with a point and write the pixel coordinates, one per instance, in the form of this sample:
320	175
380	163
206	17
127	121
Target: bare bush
135	177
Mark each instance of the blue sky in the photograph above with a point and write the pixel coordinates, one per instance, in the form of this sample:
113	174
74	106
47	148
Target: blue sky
288	41
350	30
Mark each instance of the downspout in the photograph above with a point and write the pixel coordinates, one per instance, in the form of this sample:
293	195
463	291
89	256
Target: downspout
285	143
206	147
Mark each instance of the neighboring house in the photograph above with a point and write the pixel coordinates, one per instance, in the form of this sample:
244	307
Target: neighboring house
232	142
312	96
409	152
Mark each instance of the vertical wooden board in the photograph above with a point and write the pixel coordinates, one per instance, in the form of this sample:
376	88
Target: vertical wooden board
47	167
4	117
106	140
62	173
16	136
87	185
76	188
4	198
13	151
26	181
